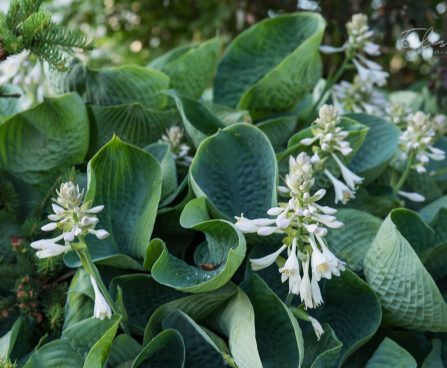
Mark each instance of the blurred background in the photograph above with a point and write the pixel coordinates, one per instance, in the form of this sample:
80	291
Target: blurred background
137	31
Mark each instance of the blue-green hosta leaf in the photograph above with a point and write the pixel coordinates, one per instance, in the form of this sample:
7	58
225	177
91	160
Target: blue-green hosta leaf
236	170
190	69
407	292
352	309
166	350
200	349
270	66
116	85
377	150
423	184
278	335
197	306
324	352
236	321
351	242
412	99
141	296
434	358
166	160
85	344
49	135
9	106
134	123
430	211
278	130
127	181
391	355
123	352
198	121
223	251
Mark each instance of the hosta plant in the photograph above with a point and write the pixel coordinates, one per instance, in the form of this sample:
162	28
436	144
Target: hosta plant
226	206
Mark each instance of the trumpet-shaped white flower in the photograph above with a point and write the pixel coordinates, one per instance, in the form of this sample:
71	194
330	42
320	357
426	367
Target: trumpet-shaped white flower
415	197
417	140
369	71
351	179
73	217
264	262
291	270
49	247
101	309
174	138
342	192
309	290
318	329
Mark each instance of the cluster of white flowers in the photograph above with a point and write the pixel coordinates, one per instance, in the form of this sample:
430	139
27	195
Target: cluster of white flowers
398	113
359	41
75	219
180	150
358	96
417	140
305	223
329	140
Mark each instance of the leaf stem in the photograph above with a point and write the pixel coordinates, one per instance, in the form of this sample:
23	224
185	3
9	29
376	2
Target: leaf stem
90	267
405	174
289	299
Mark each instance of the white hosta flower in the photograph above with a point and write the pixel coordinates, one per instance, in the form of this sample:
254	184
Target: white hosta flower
358	96
101	309
318	329
73	217
418	139
351	179
291	270
264	262
326	131
180	150
440	124
370	72
342	192
49	247
397	113
335	265
309	290
415	197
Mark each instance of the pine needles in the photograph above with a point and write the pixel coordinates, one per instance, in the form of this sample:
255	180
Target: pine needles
25	27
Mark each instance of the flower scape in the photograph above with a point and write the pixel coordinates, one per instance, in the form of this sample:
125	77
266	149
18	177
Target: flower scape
265	201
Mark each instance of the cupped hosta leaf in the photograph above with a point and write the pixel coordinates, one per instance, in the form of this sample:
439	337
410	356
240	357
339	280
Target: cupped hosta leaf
85	344
352	309
127	181
197	306
351	242
378	148
49	135
390	355
134	123
166	160
191	68
434	358
223	251
115	85
430	211
406	290
141	296
200	349
236	321
278	130
123	352
198	121
166	350
270	66
236	170
324	352
278	335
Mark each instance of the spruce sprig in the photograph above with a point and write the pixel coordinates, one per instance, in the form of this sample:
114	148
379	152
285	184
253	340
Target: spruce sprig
26	27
